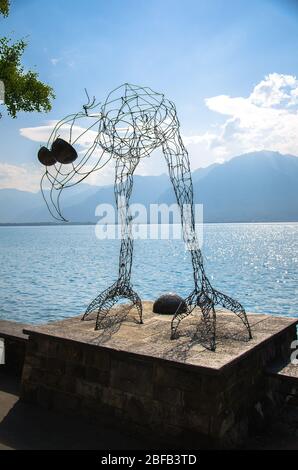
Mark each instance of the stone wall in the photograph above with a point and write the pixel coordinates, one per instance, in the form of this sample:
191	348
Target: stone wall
177	403
284	378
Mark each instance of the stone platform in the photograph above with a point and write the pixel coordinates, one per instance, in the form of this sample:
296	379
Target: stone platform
134	376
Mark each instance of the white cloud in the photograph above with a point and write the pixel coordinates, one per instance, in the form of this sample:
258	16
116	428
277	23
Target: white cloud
38	134
24	178
274	90
65	61
27	178
55	60
41	135
266	119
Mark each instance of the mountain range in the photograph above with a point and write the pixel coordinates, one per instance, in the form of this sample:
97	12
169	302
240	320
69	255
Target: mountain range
253	187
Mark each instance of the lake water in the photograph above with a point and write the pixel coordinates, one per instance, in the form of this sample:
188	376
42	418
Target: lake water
52	272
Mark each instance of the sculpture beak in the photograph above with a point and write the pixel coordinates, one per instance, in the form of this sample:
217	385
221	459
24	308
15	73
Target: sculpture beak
51	197
61	152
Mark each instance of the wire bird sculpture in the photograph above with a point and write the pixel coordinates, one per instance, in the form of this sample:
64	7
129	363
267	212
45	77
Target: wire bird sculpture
131	123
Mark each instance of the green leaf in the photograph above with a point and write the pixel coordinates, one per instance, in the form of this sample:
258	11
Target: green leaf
23	90
4	7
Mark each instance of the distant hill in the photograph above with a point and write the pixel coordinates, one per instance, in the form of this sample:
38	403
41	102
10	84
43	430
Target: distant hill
69	197
146	190
254	187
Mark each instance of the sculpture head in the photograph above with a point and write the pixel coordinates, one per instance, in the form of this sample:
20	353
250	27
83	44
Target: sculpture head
135	121
131	123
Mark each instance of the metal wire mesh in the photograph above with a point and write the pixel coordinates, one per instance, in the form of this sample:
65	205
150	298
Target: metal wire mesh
131	123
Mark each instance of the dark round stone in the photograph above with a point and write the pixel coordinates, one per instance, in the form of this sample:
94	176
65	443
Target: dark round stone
46	157
63	151
168	304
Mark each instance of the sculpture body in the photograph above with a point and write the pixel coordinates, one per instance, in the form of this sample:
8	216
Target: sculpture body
132	122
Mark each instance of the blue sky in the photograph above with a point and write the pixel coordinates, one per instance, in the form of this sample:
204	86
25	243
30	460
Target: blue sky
228	65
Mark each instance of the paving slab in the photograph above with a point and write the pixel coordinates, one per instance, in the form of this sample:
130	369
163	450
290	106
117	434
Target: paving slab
152	339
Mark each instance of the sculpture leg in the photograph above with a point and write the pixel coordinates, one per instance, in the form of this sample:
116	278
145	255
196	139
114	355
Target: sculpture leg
122	288
203	295
108	298
234	306
207	309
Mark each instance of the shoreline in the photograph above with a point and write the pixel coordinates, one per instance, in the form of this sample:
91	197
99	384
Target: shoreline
50	224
